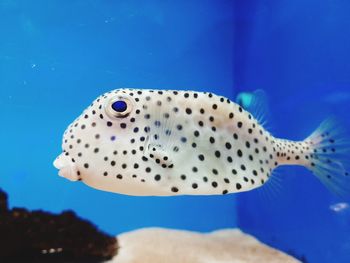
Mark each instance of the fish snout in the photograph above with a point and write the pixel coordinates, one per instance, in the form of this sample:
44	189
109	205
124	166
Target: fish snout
66	167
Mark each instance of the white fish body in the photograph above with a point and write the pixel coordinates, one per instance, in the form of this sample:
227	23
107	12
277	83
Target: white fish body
163	142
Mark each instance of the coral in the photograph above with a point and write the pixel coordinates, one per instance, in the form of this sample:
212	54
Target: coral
157	245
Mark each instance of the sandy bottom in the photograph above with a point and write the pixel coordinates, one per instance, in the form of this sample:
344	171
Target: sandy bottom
157	245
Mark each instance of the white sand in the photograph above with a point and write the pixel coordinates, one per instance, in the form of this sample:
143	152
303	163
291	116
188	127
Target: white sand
157	245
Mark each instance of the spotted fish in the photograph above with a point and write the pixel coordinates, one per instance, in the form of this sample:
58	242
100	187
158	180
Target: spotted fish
164	142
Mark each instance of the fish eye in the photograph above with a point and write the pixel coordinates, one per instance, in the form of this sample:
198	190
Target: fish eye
119	107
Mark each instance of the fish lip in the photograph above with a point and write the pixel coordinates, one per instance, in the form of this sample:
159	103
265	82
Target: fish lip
66	168
58	163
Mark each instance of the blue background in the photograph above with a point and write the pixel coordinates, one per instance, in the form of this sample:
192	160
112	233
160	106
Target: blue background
57	56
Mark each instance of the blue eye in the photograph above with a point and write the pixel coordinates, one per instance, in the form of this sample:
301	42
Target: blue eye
119	106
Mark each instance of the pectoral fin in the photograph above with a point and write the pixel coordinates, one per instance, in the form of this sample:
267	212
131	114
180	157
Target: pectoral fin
159	155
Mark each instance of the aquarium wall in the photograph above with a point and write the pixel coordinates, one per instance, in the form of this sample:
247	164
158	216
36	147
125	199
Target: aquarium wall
298	52
56	57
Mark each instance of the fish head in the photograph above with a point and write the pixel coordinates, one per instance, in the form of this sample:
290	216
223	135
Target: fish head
98	146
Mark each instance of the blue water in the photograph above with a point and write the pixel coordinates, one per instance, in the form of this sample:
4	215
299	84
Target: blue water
57	56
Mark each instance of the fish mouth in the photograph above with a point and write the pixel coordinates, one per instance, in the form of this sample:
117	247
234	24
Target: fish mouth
66	167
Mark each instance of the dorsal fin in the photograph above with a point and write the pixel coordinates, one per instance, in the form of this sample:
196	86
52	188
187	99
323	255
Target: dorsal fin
256	103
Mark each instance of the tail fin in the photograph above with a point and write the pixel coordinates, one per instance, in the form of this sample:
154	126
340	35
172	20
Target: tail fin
330	159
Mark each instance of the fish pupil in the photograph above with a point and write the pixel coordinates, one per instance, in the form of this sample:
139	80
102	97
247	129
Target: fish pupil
119	106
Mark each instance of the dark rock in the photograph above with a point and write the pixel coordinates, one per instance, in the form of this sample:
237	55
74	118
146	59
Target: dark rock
3	202
39	236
